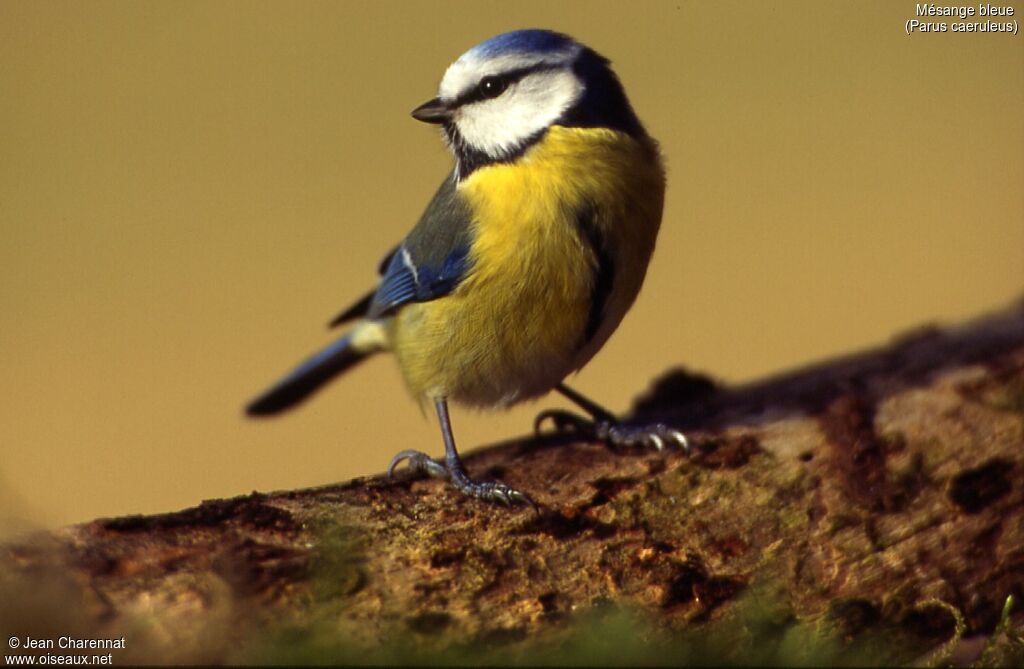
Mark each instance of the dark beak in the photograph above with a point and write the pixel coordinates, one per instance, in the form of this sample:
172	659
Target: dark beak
433	111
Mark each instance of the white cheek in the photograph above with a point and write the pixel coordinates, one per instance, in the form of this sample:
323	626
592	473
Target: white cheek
499	126
459	77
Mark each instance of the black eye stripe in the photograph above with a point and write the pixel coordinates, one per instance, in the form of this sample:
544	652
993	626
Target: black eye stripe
492	87
502	80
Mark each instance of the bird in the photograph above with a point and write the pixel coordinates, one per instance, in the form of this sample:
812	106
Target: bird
525	260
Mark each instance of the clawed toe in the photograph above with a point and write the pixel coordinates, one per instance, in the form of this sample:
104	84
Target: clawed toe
489	491
452	470
419	462
564	422
499	492
658	436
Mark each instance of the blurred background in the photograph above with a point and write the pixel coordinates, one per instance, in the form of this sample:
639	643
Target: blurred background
190	190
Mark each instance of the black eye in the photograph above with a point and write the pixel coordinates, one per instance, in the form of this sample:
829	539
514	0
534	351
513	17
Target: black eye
492	87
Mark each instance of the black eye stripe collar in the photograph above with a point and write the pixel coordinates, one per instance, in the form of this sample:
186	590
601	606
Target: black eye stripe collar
510	77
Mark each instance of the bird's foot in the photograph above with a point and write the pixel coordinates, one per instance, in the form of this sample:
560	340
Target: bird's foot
490	491
419	463
612	432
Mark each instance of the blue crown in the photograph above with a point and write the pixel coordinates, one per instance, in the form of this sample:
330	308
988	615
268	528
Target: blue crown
604	103
522	41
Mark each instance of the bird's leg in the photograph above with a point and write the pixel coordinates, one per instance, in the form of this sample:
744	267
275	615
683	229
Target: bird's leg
606	427
454	471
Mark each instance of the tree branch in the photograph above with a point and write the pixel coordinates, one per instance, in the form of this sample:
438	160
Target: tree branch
877	491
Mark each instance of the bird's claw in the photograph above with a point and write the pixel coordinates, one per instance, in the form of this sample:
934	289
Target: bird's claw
489	491
498	492
564	422
658	436
419	462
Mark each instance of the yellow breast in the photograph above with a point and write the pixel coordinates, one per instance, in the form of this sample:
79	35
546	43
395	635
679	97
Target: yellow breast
515	325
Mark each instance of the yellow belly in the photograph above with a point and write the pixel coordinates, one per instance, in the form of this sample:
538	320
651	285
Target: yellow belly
515	326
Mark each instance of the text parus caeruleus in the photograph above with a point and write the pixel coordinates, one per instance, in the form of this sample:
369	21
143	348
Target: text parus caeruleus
528	256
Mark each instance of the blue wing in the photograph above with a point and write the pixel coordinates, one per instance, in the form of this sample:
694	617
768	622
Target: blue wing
432	260
407	280
427	265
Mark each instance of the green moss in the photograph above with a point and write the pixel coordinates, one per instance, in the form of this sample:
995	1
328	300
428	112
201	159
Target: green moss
1005	648
759	631
337	566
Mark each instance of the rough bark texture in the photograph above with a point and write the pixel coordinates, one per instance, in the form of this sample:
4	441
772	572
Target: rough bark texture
882	491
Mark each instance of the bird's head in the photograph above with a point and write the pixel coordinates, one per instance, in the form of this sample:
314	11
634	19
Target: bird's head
501	96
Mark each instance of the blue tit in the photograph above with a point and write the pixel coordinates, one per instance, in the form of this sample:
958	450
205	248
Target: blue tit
527	257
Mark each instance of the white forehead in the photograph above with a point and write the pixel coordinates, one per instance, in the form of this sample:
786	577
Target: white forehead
476	64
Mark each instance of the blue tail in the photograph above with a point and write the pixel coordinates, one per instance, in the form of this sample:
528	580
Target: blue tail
307	377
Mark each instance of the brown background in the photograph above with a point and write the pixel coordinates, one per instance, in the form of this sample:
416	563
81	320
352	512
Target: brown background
188	191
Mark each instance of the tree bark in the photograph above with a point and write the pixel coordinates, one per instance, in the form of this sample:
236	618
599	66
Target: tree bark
881	492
